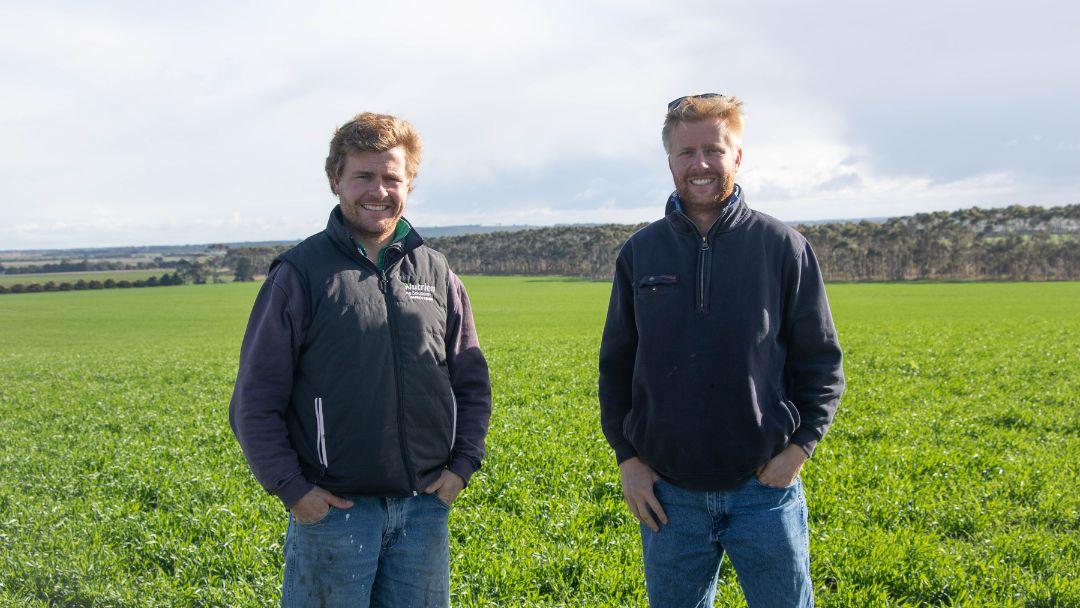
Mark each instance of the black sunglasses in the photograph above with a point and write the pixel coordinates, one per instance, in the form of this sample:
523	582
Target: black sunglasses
674	103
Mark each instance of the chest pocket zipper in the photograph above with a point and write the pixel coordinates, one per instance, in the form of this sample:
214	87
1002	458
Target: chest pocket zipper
657	283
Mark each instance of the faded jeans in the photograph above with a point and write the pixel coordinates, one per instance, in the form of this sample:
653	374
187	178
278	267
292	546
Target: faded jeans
763	530
382	552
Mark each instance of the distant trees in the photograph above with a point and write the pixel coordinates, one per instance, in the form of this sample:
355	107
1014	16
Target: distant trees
83	284
244	270
585	251
247	262
192	272
84	265
1013	243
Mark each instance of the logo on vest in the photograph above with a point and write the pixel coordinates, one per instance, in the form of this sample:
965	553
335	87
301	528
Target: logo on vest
420	291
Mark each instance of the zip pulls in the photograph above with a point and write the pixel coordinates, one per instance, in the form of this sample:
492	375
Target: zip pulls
402	442
701	302
384	287
701	273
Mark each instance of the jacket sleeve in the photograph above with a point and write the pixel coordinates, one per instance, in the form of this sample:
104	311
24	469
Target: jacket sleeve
268	357
469	380
813	370
618	348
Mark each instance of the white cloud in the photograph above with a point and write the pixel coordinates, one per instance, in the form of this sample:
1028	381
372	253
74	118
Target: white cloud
155	123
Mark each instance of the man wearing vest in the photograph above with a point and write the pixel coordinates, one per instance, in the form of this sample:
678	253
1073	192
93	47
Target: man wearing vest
720	372
362	398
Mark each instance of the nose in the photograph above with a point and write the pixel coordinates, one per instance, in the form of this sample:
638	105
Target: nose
700	160
378	188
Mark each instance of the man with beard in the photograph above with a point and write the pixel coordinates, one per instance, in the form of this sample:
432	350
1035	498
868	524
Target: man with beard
362	398
720	371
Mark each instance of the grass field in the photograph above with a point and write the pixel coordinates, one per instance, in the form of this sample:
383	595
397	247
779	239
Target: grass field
949	478
72	277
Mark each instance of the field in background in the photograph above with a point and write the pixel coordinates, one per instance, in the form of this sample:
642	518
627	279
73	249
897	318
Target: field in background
949	477
72	277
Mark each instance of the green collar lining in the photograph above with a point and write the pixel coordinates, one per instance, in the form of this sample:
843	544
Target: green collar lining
401	230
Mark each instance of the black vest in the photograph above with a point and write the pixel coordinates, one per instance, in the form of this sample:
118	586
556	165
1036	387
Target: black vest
372	411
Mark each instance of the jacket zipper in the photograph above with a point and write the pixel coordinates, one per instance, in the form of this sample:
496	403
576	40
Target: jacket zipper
702	306
384	288
701	273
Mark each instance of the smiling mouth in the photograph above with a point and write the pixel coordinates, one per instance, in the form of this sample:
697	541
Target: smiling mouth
703	181
374	207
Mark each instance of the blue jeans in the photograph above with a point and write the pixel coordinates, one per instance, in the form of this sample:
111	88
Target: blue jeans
381	552
762	529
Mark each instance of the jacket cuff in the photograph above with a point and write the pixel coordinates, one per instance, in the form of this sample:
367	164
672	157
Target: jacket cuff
624	452
462	466
806	439
293	490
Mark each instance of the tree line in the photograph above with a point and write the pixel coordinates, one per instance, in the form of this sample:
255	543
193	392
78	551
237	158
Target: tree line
1011	243
244	263
82	284
85	265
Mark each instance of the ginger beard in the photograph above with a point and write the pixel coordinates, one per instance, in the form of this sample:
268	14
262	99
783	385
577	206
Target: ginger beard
703	196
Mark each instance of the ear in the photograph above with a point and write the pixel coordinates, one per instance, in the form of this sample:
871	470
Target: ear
334	185
738	159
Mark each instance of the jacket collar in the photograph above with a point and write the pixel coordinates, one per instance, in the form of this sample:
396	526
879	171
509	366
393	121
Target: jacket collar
339	234
734	212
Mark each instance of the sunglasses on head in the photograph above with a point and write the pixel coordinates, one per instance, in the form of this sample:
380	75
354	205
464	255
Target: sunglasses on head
674	103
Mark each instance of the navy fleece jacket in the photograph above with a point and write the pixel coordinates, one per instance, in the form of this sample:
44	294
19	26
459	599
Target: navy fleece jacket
719	349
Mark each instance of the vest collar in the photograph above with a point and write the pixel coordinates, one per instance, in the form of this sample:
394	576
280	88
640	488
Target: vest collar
339	234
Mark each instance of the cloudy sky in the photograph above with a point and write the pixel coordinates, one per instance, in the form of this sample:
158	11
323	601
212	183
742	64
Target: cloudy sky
131	123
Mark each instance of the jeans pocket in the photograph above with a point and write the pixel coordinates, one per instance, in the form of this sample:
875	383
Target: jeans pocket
308	524
754	479
441	502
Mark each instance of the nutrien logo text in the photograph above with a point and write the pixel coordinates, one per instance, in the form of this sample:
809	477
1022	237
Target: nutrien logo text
420	291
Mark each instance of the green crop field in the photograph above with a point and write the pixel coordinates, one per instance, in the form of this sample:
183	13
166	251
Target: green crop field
72	277
949	478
